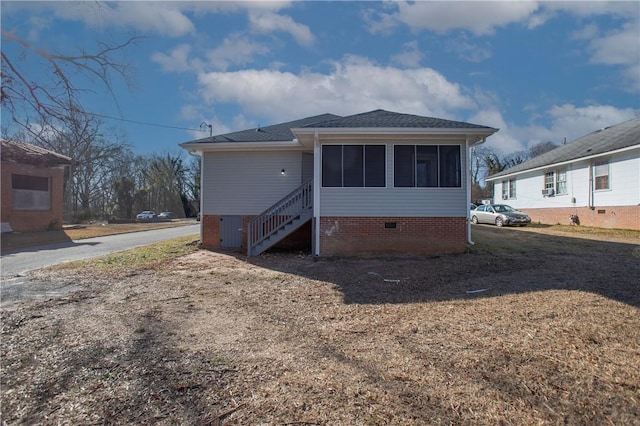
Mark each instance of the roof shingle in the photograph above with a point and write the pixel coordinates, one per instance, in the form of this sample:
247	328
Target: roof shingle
601	141
24	153
388	119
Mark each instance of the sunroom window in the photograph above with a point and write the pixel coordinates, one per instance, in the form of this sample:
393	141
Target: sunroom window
427	166
353	166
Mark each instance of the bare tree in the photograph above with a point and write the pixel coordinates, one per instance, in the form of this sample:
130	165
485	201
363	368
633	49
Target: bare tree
54	101
541	148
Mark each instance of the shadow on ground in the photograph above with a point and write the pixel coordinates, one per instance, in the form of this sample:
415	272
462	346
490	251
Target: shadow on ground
503	261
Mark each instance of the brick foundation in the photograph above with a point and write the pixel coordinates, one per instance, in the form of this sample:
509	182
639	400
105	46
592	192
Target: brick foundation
298	240
210	231
347	236
616	217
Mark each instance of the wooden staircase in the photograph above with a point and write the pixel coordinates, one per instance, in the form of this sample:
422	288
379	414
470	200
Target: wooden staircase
280	220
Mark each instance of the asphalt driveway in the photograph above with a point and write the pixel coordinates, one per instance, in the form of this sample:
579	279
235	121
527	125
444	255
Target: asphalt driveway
15	285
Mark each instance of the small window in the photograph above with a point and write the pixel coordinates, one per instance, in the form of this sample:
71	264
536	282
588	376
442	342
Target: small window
508	189
549	181
561	182
601	175
30	192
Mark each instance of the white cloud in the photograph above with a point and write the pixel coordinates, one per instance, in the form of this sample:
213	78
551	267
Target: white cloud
588	32
410	57
235	50
480	18
268	22
159	17
355	85
177	60
468	51
563	121
618	47
573	122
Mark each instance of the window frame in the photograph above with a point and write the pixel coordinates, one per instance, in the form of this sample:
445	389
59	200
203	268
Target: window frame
365	171
596	176
30	188
553	182
509	189
426	175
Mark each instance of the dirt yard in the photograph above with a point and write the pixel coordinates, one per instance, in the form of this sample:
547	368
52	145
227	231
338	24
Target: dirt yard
529	327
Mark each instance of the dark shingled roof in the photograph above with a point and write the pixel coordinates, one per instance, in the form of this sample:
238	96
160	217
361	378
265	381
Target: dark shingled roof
373	119
274	133
382	118
24	153
601	141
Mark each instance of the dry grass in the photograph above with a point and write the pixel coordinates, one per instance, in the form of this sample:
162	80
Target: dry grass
527	328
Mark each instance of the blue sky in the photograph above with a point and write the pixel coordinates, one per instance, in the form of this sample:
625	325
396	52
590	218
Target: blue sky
538	71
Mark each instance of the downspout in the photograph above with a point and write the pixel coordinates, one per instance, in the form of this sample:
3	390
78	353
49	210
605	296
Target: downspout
316	194
591	186
201	196
468	180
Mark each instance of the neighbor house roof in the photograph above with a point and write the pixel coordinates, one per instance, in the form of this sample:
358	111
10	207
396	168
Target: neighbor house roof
609	139
25	153
388	119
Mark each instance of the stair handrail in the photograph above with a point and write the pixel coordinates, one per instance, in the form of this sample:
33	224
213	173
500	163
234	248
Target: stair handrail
280	214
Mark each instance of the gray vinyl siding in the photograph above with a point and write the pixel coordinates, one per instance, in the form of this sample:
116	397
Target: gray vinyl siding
247	183
390	201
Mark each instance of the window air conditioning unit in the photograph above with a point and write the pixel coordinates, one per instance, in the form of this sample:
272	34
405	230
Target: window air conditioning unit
547	192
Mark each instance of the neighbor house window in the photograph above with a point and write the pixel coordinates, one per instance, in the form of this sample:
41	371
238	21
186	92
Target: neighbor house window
561	182
30	192
508	189
555	182
549	182
427	166
601	175
353	166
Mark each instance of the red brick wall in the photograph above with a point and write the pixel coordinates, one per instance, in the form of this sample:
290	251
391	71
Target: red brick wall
32	220
345	236
210	231
298	240
618	217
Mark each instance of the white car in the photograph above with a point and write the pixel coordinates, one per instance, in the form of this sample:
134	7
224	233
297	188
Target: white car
146	215
499	214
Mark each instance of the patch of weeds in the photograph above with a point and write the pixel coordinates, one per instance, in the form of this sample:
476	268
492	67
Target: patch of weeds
153	253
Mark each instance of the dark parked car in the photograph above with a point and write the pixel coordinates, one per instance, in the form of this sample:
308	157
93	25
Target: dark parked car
168	215
499	214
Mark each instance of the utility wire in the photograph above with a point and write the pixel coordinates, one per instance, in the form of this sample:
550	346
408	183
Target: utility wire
143	123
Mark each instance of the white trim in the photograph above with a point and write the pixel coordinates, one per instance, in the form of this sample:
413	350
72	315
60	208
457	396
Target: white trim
563	163
468	183
198	147
316	193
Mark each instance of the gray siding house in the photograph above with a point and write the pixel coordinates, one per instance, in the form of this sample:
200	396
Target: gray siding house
374	183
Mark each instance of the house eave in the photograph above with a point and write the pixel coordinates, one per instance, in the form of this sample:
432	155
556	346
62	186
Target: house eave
475	136
200	147
563	163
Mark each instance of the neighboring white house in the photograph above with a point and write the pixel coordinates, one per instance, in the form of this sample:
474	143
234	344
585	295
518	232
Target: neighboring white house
594	180
374	183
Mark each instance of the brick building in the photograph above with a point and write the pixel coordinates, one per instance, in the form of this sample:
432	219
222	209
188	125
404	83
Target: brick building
32	187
